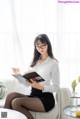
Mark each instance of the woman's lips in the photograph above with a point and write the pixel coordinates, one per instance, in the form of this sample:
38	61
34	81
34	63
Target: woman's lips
42	51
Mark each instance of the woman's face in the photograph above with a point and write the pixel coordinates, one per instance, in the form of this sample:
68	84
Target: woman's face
41	47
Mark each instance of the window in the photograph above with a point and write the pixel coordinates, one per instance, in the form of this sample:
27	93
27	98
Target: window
20	22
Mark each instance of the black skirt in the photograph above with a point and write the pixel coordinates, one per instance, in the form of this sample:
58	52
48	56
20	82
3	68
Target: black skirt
46	98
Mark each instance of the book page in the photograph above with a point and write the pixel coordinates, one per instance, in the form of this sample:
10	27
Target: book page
21	79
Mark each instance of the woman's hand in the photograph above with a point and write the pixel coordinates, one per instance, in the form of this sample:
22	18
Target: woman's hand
16	70
36	85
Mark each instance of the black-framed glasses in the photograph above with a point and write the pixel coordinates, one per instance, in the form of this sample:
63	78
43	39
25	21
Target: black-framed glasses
41	46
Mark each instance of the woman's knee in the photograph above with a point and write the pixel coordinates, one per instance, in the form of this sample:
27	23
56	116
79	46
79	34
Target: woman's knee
15	103
12	95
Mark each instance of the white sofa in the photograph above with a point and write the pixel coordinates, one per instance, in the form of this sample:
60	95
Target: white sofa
62	98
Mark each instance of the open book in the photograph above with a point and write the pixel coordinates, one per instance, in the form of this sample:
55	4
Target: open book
31	75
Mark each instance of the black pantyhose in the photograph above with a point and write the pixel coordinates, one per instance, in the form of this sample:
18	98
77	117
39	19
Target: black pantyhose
24	104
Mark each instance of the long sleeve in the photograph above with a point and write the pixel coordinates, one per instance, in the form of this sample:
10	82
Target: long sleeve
55	78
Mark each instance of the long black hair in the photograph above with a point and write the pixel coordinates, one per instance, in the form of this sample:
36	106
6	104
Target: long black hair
43	38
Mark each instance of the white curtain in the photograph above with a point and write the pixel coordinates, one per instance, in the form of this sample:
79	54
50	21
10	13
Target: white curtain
69	42
22	20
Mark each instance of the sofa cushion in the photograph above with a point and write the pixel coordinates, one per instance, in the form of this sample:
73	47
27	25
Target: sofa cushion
46	115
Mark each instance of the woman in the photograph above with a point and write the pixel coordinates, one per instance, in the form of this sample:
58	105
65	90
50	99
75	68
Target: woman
41	98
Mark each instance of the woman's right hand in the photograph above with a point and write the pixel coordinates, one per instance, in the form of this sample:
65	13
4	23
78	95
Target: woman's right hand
16	70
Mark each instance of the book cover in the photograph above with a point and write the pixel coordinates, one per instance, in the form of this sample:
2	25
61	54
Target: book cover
31	75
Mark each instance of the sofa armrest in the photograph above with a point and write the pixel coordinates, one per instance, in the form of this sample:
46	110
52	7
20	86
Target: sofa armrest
3	90
64	100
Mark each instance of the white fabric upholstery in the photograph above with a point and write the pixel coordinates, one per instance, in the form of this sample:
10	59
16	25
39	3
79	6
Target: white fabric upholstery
53	114
62	98
2	90
64	101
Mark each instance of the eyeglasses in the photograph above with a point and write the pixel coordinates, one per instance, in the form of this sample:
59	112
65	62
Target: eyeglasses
41	46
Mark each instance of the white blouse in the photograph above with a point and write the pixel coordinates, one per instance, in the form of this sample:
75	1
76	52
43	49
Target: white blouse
49	70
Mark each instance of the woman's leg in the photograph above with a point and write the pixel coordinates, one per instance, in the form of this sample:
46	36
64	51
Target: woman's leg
26	104
10	97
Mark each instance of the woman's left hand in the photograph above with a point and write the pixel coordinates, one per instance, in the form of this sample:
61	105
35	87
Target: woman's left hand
36	85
